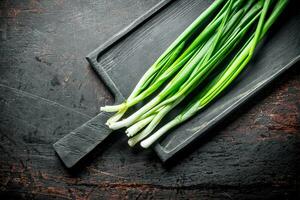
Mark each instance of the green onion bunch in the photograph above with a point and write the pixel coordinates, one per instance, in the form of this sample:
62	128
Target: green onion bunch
218	44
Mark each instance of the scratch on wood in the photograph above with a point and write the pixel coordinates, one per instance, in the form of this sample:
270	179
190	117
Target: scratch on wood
33	96
105	173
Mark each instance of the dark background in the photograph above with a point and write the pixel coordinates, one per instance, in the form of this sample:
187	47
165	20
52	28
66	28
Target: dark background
47	89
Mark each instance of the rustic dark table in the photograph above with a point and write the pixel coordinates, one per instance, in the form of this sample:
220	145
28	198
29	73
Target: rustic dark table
47	89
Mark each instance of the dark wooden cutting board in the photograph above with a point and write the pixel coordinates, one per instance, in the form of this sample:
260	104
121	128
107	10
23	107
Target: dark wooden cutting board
123	60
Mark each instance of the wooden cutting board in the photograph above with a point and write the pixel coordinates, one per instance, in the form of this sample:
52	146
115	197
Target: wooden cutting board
126	56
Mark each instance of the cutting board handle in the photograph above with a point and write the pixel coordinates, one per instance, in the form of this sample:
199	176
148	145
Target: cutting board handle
77	144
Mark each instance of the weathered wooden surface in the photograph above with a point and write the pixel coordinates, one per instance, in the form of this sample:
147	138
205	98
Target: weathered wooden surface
47	89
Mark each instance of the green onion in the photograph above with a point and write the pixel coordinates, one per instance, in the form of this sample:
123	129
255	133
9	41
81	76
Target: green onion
233	33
